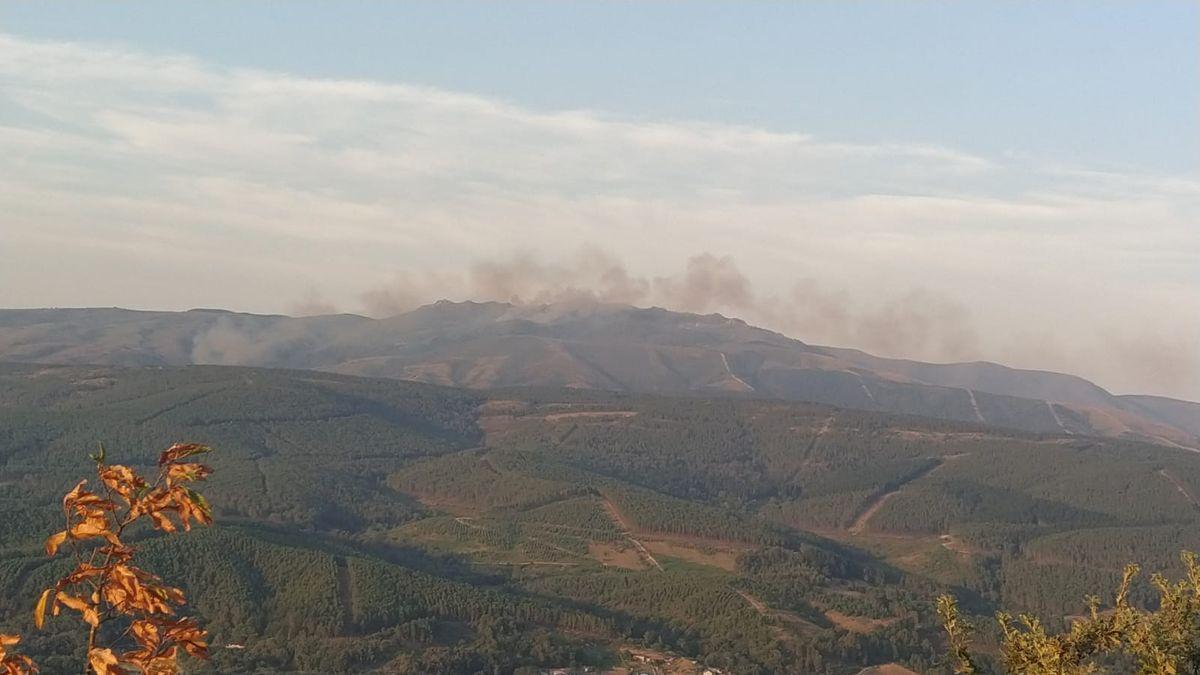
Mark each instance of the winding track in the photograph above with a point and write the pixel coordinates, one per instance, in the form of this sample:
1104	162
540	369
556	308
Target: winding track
345	590
627	532
975	406
1057	419
864	516
1179	486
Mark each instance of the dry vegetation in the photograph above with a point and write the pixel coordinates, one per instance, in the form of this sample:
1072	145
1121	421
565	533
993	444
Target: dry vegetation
120	603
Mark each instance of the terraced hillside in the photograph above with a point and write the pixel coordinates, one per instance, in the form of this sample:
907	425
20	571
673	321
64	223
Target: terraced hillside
382	524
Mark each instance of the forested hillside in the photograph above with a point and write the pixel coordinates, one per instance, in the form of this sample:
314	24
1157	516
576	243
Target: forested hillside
413	528
584	345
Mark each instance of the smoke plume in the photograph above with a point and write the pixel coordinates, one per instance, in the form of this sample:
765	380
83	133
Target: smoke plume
312	304
916	323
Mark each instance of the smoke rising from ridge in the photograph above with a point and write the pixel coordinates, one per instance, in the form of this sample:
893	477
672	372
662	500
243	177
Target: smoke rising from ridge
192	183
914	322
312	304
917	323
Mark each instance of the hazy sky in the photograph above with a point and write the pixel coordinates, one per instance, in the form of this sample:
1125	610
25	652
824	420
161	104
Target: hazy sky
1012	181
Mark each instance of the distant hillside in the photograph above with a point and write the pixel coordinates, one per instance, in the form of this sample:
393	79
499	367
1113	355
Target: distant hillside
595	346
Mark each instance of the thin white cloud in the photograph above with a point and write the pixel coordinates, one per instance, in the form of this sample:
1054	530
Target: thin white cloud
261	187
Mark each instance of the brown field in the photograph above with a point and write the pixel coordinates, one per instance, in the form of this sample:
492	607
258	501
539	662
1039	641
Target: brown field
616	414
451	506
611	555
503	407
953	543
887	669
721	558
856	624
662	662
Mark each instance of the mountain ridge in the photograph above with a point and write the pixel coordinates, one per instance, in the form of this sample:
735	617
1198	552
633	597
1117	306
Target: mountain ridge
595	346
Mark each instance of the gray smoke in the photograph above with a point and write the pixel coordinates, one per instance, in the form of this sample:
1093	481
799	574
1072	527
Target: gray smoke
312	304
590	275
226	343
917	323
408	291
707	283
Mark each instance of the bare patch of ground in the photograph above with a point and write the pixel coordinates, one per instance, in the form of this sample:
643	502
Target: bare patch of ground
856	624
860	522
953	543
909	552
721	558
454	508
627	531
758	605
611	555
778	615
616	414
975	405
915	434
887	669
742	384
1057	419
495	424
503	407
534	563
1179	486
655	661
93	383
345	585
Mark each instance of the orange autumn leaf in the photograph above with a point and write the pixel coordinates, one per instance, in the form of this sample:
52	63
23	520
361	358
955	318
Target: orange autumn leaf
87	609
159	643
17	665
54	542
89	529
82	501
161	521
77	604
162	665
123	481
82	572
189	472
74	493
191	505
132	589
181	451
103	661
39	611
14	664
145	633
190	636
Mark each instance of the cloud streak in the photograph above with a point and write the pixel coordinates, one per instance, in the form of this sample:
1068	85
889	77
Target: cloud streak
156	180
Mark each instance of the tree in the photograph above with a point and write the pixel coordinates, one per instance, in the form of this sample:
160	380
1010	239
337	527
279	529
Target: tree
123	606
1162	642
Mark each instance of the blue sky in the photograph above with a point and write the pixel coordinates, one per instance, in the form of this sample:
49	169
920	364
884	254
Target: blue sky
1011	181
1108	83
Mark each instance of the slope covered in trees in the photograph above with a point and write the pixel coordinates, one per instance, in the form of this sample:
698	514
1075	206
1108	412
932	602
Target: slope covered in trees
378	524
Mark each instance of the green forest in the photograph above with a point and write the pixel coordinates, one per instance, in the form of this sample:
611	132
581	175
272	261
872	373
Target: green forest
397	527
